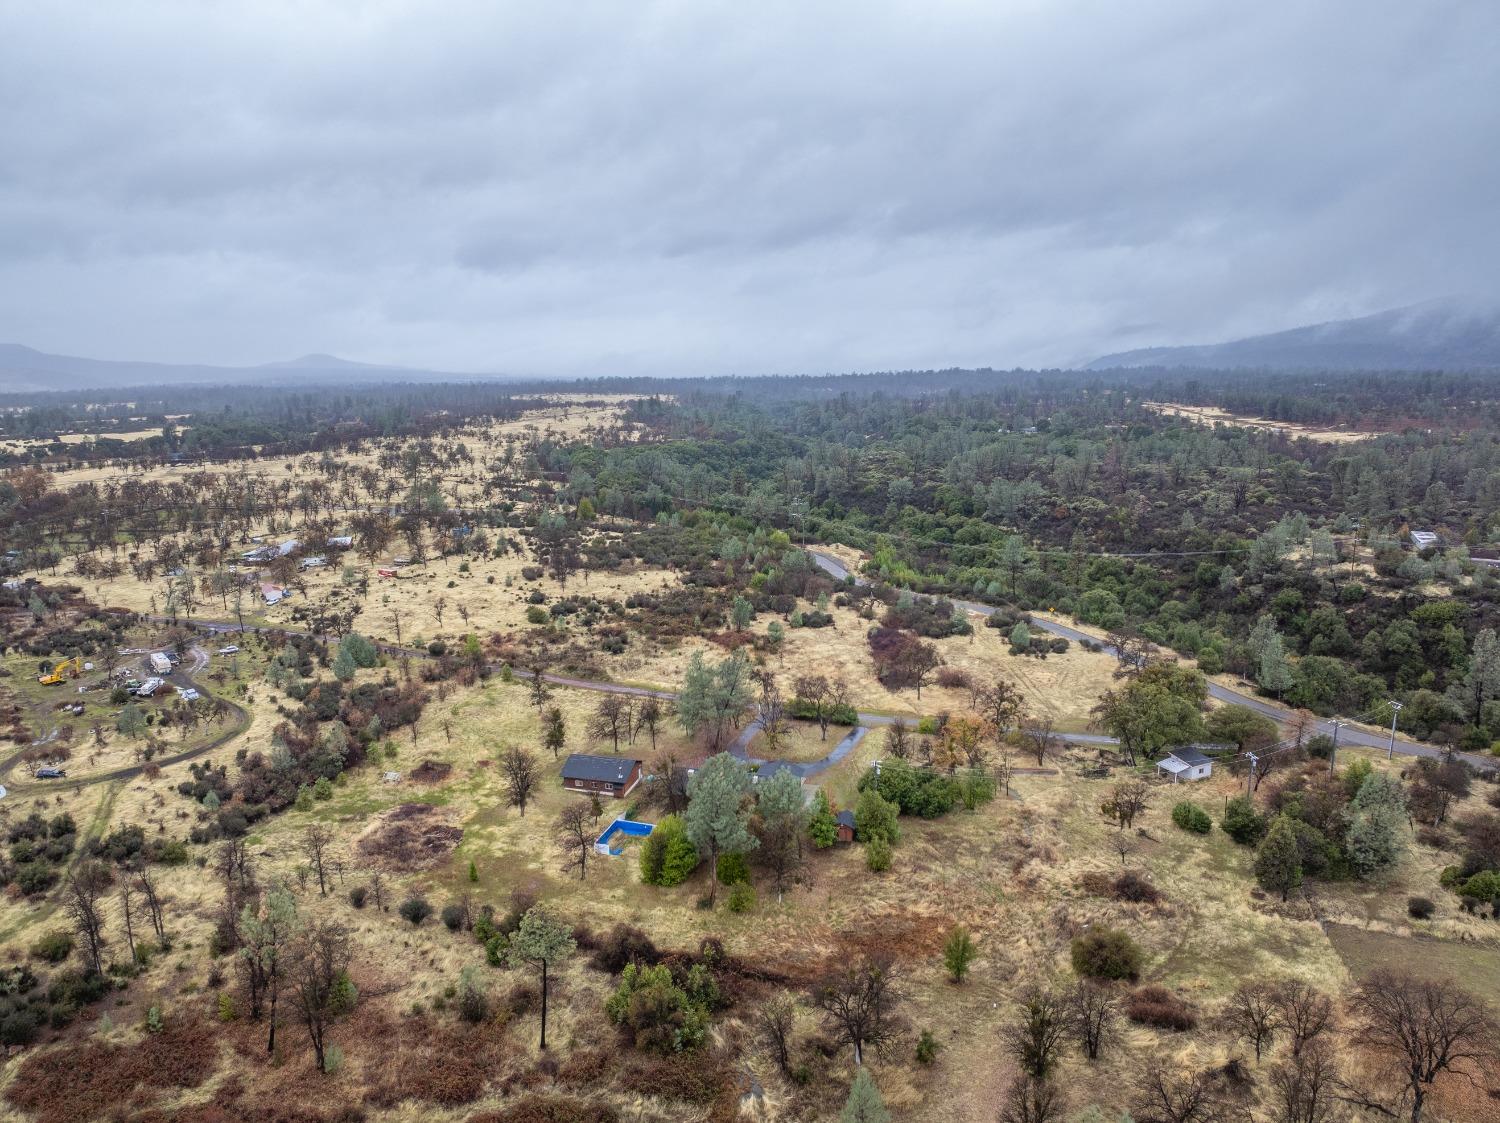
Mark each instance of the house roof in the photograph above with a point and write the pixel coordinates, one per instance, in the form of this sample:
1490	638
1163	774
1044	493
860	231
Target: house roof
1193	755
599	769
845	819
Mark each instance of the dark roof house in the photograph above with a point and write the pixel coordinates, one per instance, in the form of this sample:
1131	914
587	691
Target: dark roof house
845	821
605	775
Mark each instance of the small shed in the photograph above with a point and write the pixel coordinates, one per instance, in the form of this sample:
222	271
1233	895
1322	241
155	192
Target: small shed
1423	539
1186	763
601	775
845	821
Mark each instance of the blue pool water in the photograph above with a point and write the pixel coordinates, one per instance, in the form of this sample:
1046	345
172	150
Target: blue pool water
621	826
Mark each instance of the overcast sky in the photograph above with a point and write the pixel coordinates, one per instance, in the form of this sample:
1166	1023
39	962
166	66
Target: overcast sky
681	188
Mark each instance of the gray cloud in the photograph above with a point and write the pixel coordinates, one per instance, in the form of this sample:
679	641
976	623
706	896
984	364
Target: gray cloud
698	188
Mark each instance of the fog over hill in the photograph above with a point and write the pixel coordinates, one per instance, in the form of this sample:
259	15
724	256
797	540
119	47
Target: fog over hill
25	369
1447	334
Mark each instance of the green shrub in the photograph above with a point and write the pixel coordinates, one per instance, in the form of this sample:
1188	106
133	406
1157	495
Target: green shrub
53	947
741	897
415	909
662	1016
668	856
1190	817
357	896
536	615
1106	953
733	869
454	916
927	1048
878	854
228	1012
1242	822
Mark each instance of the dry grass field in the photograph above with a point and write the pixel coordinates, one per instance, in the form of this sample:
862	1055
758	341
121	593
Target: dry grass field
1013	872
1215	415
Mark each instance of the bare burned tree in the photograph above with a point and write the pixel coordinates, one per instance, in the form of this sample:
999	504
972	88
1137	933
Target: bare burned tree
1253	1014
575	834
317	977
1304	1088
1305	1012
772	709
1093	1010
1127	799
858	1003
127	911
1165	1096
519	770
377	888
815	690
774	1020
1036	1036
898	739
151	893
1039	738
83	903
315	842
1427	1029
1029	1100
1000	704
651	715
610	720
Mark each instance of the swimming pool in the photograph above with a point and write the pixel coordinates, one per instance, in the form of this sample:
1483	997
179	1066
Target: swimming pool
624	827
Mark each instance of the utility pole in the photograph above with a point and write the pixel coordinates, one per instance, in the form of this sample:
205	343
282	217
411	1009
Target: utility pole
1250	776
1395	709
1333	753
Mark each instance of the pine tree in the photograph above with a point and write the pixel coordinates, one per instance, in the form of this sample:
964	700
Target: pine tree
823	827
864	1104
1278	862
715	818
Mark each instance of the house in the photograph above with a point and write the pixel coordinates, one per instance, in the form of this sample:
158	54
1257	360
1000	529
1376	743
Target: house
340	542
160	664
1423	539
845	822
314	562
1186	763
601	775
272	594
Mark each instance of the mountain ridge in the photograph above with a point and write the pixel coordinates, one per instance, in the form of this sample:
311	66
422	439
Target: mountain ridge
1442	334
25	369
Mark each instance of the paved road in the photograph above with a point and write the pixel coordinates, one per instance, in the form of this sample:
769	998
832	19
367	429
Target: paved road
1280	714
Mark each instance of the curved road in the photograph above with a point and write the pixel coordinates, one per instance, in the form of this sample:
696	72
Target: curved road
1348	734
238	722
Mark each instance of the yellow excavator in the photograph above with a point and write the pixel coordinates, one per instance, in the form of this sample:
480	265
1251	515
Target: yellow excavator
68	668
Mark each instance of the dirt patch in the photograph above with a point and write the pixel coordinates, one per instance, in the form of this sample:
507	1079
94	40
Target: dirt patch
431	772
410	837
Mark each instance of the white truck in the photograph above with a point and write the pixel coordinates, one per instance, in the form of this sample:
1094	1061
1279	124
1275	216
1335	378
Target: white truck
160	664
148	688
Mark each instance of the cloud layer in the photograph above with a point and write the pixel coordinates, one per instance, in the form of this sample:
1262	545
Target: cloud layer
685	188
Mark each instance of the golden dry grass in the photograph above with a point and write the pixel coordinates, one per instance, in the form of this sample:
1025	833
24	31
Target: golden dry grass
1215	415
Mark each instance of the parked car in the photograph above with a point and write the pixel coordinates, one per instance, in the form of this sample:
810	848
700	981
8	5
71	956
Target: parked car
230	649
50	774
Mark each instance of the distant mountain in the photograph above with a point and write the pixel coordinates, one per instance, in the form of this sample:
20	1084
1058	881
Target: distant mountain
24	369
1436	335
317	361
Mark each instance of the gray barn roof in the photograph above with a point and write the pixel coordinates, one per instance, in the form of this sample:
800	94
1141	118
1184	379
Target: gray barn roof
598	769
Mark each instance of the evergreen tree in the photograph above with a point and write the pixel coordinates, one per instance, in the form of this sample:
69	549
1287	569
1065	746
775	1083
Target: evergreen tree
1278	862
715	818
823	827
864	1104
